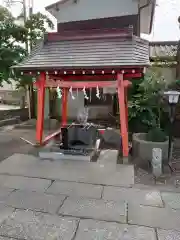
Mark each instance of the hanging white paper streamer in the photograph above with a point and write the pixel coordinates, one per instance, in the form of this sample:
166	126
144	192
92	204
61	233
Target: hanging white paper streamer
85	94
97	92
59	92
71	92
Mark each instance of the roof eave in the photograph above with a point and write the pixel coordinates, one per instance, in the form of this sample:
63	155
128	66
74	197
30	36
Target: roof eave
55	4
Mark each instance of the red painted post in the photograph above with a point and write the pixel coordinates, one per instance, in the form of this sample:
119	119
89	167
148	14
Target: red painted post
40	108
122	112
126	105
64	106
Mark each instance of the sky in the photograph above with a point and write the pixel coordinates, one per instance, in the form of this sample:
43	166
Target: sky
165	27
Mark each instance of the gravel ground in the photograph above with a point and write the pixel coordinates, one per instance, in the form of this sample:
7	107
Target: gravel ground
168	178
11	143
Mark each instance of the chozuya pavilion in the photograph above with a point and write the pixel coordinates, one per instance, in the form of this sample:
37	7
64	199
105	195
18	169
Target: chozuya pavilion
95	59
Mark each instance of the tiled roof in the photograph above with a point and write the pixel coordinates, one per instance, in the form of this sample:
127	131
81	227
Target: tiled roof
163	50
107	51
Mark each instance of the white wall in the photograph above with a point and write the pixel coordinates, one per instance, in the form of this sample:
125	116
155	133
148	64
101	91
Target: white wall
75	105
92	9
95	112
8	86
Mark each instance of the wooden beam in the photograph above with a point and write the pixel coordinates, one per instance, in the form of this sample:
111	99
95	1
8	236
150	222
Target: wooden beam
51	136
68	84
64	105
92	77
40	108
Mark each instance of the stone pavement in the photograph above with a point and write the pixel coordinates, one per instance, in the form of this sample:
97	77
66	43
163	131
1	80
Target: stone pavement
82	201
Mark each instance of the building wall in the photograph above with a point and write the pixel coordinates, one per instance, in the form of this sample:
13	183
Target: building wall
95	112
8	86
9	93
105	23
85	9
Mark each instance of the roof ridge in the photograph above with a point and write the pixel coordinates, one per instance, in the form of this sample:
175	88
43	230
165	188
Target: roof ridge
83	34
163	43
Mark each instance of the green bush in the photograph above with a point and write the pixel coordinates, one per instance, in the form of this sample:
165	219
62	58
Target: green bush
156	135
147	109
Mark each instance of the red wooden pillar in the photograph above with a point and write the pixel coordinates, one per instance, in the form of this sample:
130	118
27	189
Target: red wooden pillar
40	107
123	117
64	105
126	105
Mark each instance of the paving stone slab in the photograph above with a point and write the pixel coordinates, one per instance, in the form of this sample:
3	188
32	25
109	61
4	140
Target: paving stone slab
4	193
164	218
144	197
76	189
95	209
91	229
168	234
37	226
6	238
84	172
5	212
24	183
35	201
171	199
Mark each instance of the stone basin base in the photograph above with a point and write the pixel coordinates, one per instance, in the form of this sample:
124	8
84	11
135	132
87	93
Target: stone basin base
142	149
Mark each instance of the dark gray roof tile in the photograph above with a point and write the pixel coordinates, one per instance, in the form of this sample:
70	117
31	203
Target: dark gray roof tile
107	52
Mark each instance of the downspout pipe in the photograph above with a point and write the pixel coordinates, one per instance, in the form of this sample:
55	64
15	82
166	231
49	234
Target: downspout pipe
144	6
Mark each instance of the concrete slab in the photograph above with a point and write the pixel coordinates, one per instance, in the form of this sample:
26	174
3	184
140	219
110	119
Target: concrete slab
95	209
82	171
6	238
59	156
30	225
75	189
108	157
91	229
164	218
24	183
5	212
143	197
168	235
4	193
171	199
35	201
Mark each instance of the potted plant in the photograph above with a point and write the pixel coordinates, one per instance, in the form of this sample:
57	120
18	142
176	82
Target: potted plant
143	144
146	108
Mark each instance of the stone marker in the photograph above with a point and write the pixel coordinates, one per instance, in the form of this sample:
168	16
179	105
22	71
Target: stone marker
157	162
